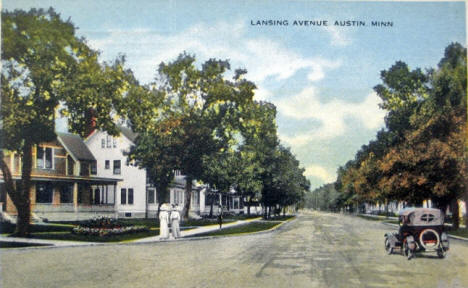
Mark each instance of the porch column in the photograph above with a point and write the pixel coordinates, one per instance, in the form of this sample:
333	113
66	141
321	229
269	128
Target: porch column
115	202
75	196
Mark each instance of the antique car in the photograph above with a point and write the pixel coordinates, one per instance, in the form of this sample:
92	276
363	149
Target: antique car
421	230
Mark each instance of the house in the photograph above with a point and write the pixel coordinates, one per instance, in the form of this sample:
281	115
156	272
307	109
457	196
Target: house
62	179
74	179
132	198
136	197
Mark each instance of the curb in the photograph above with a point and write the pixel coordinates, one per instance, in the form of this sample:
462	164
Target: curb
272	229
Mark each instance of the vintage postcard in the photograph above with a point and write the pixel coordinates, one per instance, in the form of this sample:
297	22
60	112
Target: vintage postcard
233	144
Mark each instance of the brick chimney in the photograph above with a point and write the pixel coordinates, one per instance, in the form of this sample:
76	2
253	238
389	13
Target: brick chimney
90	121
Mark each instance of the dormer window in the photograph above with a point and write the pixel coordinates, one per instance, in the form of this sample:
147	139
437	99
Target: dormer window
44	159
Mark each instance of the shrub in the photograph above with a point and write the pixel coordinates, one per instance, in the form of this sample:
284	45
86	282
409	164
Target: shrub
104	226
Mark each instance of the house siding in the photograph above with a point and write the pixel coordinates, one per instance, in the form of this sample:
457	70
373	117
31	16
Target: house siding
132	177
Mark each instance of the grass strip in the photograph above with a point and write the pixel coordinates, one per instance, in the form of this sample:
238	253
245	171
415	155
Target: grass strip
251	227
4	244
10	228
461	232
91	238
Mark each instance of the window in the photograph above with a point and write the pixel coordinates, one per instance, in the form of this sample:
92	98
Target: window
44	158
427	217
93	168
43	193
107	164
97	196
84	168
66	194
151	197
114	142
70	165
103	143
130	195
109	139
116	166
123	196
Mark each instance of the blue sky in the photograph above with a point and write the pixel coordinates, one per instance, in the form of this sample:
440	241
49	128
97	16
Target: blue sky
319	77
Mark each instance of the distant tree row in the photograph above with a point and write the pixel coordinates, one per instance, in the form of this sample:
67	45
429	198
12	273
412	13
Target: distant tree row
189	119
421	152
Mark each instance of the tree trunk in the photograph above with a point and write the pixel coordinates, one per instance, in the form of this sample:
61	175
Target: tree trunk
455	214
211	206
188	196
248	206
162	194
22	198
284	211
466	209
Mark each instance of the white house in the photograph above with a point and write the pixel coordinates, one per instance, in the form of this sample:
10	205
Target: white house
131	197
135	196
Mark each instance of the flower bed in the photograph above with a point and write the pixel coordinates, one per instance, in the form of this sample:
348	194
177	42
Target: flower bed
107	227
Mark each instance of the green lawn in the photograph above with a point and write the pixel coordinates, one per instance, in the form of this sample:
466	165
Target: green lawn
89	238
153	223
6	228
19	244
251	227
462	232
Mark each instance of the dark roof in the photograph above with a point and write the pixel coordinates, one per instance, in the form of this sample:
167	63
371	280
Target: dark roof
75	146
127	132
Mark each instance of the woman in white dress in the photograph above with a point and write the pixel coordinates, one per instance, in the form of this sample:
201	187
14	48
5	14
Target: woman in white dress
163	222
175	220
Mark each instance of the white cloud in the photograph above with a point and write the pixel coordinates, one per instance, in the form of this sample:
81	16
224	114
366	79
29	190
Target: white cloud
261	56
262	94
319	172
331	115
338	37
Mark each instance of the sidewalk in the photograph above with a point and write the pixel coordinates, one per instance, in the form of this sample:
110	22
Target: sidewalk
63	243
198	230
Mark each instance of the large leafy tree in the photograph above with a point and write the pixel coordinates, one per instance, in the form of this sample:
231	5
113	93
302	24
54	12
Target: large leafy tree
421	154
202	107
260	141
47	67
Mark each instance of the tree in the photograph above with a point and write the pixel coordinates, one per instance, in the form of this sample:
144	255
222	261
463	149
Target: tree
259	142
45	66
421	154
283	183
203	109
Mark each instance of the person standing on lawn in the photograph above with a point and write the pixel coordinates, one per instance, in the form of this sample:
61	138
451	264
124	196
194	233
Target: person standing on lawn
164	222
175	220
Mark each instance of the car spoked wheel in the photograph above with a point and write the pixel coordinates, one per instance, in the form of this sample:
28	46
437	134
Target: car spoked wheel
408	252
388	247
441	253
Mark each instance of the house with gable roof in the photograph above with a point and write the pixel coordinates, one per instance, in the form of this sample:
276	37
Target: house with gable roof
111	162
62	176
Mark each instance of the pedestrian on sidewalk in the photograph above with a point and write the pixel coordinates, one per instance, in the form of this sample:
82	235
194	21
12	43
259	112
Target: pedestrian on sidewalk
164	221
175	220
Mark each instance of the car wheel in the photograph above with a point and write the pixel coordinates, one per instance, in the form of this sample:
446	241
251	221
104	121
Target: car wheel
408	252
441	253
388	247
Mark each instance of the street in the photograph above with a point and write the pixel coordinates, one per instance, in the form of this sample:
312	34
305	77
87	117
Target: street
315	250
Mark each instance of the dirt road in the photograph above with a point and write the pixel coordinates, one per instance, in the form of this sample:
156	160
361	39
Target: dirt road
316	250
